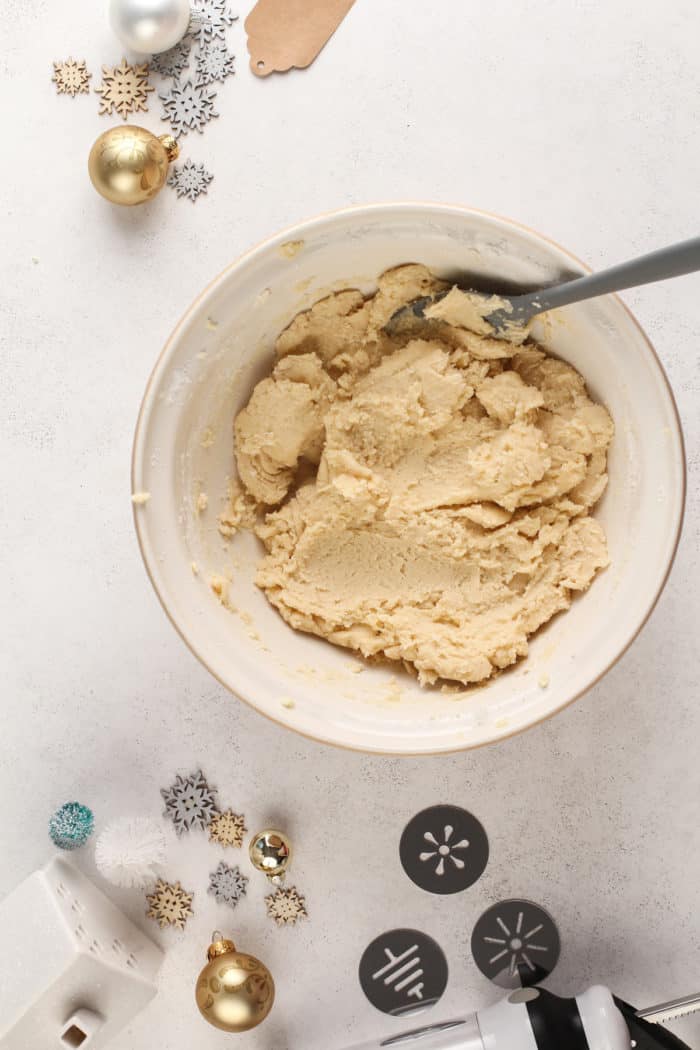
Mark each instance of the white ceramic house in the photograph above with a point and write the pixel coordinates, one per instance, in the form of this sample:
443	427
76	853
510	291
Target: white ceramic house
76	969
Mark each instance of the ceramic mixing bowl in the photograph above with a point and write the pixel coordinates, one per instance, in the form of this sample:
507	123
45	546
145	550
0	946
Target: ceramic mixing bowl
183	447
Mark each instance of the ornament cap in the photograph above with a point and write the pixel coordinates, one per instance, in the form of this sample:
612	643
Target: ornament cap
220	945
170	146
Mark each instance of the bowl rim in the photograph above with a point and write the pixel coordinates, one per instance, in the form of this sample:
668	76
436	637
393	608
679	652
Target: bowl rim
296	231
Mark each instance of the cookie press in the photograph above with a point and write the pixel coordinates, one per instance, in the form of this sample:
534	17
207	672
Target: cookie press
535	1019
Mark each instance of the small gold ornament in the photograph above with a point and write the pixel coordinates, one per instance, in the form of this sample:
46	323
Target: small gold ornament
129	165
234	991
271	853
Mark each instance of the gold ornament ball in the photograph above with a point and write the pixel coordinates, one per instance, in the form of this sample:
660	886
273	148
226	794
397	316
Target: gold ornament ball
129	165
271	852
235	991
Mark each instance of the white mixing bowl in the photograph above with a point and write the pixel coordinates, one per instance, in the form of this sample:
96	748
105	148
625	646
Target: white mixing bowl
183	446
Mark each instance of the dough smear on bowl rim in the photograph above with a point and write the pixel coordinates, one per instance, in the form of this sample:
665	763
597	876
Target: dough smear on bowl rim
423	497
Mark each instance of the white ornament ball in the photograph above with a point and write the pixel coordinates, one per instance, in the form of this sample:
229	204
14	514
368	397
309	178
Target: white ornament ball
128	850
149	26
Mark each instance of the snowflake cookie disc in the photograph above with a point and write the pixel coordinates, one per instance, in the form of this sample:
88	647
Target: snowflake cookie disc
189	802
188	107
124	89
286	906
190	180
227	828
227	884
170	905
71	77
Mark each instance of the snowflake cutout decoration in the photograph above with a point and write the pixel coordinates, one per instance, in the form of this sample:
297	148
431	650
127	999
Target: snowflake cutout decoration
71	77
227	884
190	179
171	63
516	942
210	19
188	107
214	62
228	829
189	802
443	850
286	907
124	89
170	905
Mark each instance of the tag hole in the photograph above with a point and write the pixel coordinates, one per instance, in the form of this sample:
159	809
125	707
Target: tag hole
260	64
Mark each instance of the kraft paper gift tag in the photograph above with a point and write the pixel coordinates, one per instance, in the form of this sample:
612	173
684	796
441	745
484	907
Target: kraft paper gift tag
287	33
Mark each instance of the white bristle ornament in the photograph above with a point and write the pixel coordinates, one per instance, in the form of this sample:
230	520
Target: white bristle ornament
128	850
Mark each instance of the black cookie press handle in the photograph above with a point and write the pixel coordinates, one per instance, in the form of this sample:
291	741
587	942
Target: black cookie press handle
587	1022
648	1036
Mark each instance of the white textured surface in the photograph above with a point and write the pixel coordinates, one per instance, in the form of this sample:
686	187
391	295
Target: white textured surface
578	119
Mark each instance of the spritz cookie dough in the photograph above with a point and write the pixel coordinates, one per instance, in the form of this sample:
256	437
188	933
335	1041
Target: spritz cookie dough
423	497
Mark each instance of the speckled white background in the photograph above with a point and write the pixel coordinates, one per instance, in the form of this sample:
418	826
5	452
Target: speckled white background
580	119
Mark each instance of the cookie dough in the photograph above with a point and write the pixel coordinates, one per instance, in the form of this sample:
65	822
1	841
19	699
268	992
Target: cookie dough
423	497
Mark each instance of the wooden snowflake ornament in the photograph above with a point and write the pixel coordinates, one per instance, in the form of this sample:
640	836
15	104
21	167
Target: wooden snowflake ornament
188	107
171	63
228	885
71	77
124	89
286	907
228	829
190	802
170	905
210	20
214	62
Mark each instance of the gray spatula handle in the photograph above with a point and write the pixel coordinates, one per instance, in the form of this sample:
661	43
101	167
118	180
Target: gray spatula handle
656	266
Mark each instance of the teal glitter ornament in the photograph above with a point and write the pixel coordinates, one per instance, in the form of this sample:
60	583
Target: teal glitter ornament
71	826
